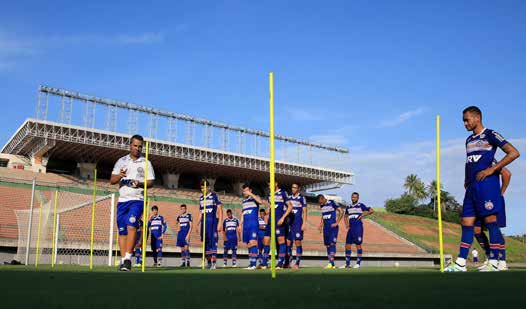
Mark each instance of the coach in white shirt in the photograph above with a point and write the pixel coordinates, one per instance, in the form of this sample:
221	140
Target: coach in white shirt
129	174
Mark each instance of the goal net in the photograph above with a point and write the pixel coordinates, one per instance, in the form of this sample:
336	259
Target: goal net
59	231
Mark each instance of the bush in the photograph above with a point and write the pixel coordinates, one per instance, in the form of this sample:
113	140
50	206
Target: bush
405	204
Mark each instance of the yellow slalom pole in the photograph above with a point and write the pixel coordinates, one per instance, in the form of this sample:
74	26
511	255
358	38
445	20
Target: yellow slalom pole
440	240
54	230
145	201
143	239
204	227
115	258
38	233
93	218
272	180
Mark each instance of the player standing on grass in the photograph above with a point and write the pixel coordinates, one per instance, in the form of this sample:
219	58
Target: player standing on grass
298	224
355	213
231	236
183	236
263	239
283	208
157	227
481	237
475	255
128	172
483	192
331	216
250	224
214	208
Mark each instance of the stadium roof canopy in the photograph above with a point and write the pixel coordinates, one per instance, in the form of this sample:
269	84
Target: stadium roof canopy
81	144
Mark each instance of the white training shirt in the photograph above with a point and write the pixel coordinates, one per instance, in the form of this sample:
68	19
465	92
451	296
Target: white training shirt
475	253
135	171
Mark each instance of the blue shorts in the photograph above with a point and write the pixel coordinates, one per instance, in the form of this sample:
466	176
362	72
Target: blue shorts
280	230
211	232
295	233
128	214
261	237
501	216
181	239
156	243
354	235
475	259
250	233
483	198
231	244
330	236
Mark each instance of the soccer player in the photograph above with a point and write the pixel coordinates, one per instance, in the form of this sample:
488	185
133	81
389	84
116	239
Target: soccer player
263	239
214	215
128	172
297	226
183	236
475	255
355	213
283	208
483	192
157	227
231	235
250	224
331	215
481	237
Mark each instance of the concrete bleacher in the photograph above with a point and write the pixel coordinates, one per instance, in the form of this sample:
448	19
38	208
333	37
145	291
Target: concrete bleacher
378	241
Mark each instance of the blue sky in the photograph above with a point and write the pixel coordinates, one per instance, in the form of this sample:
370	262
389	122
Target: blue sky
368	76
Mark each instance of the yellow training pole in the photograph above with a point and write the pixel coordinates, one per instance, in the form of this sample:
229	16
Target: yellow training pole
204	227
93	218
54	230
441	243
38	233
272	181
115	258
143	239
145	200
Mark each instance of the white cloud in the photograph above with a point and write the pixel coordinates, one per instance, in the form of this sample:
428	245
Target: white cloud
401	118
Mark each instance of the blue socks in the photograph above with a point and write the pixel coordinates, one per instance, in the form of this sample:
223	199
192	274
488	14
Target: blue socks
483	241
281	253
466	241
359	259
253	255
332	253
495	240
348	257
266	251
299	253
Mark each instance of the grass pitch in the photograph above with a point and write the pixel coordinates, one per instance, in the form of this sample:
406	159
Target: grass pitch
77	287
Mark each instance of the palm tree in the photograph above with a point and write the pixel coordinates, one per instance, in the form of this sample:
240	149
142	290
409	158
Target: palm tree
411	182
432	192
415	187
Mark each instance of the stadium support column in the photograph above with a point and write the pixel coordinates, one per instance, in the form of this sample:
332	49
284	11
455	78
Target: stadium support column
238	187
39	163
171	180
211	183
86	170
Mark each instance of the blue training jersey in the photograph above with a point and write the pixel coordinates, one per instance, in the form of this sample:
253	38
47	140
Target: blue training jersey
157	226
280	198
298	203
250	212
353	213
212	201
328	213
480	151
262	223
230	227
184	223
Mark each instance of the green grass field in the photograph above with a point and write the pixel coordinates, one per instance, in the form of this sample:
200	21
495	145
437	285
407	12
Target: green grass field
424	233
77	287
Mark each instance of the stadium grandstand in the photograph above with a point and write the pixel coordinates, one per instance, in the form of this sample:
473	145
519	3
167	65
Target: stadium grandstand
60	154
